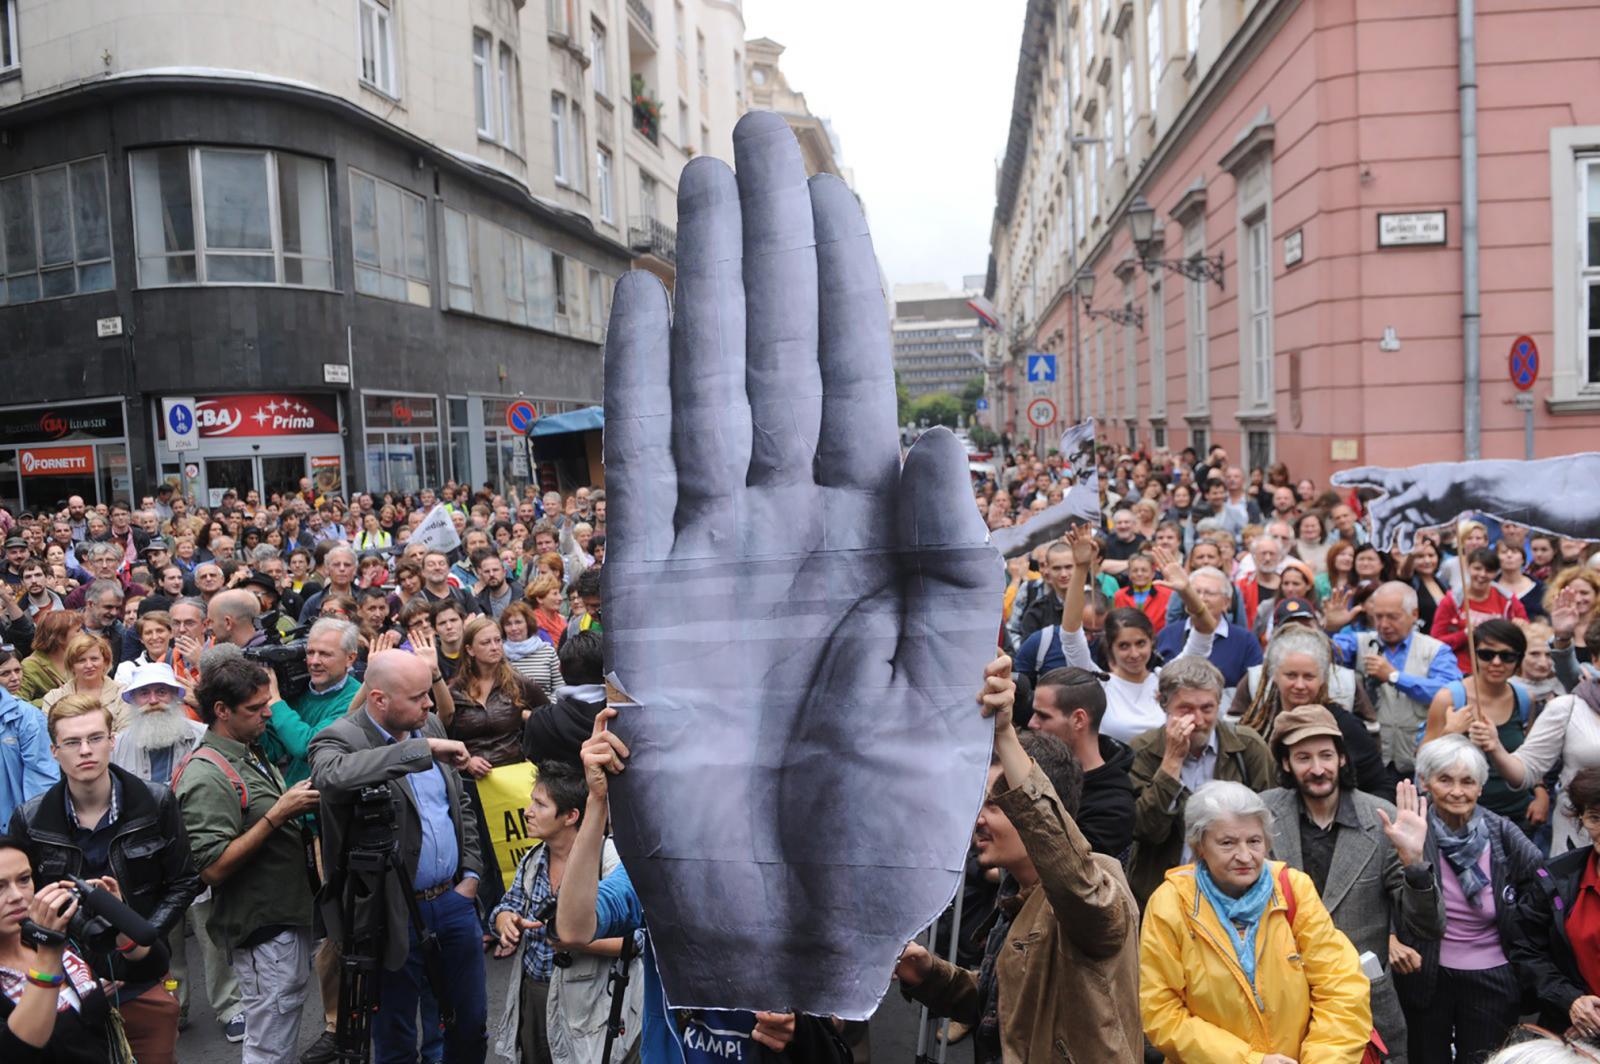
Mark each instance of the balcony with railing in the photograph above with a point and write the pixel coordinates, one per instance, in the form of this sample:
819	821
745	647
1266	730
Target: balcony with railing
648	236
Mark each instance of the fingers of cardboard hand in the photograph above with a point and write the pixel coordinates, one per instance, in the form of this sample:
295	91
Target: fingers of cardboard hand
638	439
860	437
935	495
710	417
782	380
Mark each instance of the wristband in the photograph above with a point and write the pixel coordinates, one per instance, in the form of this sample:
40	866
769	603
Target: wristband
268	818
129	948
49	982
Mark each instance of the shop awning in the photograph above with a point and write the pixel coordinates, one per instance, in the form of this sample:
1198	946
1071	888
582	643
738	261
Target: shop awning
589	419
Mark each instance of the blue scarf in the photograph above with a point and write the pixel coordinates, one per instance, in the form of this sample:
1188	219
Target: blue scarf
1462	851
517	649
1241	916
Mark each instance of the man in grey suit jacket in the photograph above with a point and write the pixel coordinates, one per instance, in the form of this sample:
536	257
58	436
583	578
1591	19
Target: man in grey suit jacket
394	741
1335	834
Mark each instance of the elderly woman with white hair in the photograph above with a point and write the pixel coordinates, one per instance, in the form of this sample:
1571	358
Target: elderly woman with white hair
1238	957
1462	989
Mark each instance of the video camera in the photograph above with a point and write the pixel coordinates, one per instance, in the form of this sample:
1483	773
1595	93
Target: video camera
286	660
101	916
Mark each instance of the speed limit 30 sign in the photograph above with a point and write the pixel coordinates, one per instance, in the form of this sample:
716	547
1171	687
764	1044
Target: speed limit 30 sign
1041	413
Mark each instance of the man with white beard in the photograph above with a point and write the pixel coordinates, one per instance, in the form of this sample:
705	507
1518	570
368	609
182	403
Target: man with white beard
159	735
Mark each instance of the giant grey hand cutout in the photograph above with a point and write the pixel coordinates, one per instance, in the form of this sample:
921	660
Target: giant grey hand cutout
1552	494
801	623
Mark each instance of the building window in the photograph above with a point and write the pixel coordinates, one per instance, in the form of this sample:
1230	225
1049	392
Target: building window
558	271
508	97
1194	325
1156	329
602	176
558	137
1130	359
458	262
496	273
578	151
1101	371
1129	105
402	441
377	46
1154	49
10	58
482	84
1191	18
1199	439
647	196
600	62
389	240
1158	436
705	137
683	127
1258	448
1258	272
1589	284
55	233
1074	68
700	54
228	216
561	16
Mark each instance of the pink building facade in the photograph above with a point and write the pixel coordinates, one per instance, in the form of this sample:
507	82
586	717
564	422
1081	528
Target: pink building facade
1318	153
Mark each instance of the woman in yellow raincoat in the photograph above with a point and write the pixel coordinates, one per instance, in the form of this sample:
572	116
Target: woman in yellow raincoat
1226	976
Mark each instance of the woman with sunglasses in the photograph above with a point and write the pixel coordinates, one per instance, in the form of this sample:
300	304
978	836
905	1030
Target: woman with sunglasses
1559	948
1566	732
1490	708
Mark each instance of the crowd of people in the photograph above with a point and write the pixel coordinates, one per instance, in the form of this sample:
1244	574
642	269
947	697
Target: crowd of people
1261	791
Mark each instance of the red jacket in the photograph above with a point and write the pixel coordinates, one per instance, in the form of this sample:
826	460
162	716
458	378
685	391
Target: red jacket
1449	626
1155	607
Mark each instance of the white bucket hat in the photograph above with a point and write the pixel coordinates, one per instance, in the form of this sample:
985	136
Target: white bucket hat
151	674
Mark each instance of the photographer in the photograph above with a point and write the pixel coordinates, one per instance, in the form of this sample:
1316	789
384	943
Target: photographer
249	850
101	820
591	907
53	1007
395	742
1062	959
561	996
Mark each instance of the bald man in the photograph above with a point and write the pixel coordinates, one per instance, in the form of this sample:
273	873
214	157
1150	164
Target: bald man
394	741
231	617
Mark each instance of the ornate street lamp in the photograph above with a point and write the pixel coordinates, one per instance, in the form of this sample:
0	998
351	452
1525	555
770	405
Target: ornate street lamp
1141	228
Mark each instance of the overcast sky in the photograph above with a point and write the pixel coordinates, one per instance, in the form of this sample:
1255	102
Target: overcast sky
919	93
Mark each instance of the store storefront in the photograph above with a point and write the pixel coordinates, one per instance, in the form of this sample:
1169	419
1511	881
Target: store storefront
404	447
483	447
263	442
50	453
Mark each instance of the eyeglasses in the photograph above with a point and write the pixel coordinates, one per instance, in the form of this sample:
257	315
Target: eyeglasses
88	742
1508	657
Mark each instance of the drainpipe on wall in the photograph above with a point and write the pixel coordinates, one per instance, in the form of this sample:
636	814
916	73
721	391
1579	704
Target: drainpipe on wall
1471	355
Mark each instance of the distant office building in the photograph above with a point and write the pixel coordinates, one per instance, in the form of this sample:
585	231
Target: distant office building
937	345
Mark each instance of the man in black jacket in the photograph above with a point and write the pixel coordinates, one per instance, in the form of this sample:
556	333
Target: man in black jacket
557	732
100	820
1069	704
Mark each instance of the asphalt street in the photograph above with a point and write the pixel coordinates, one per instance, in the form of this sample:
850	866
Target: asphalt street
893	1029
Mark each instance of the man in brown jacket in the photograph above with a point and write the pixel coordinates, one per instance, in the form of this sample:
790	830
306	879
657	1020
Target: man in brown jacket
1175	760
1063	952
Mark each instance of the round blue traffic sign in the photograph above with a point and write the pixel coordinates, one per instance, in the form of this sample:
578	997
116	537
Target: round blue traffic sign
1524	363
181	418
520	416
